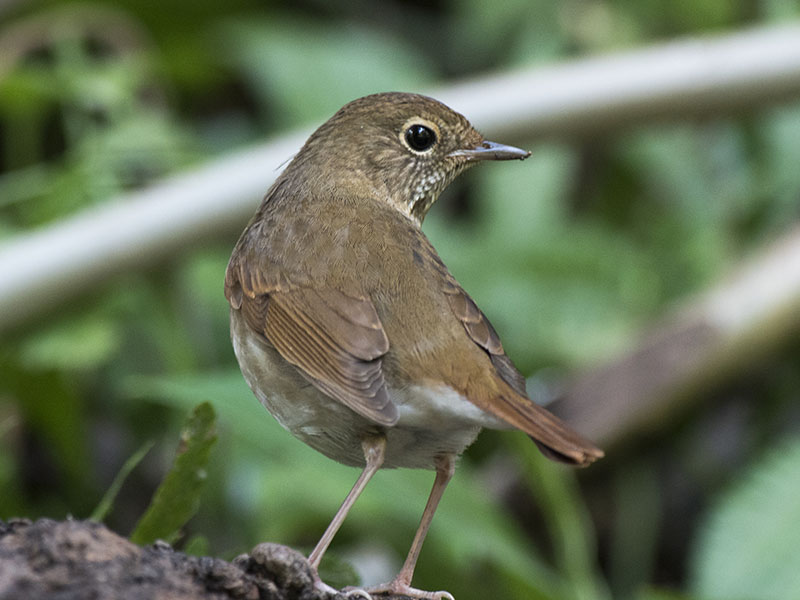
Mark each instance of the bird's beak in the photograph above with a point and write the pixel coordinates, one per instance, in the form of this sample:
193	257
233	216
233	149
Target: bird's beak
490	151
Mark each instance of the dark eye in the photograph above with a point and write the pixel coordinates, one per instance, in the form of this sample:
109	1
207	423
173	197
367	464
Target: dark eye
420	137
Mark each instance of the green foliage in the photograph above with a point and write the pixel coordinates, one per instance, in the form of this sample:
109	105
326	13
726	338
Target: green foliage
635	534
747	545
115	132
654	594
338	64
83	342
557	493
337	572
107	501
197	545
61	425
178	497
570	253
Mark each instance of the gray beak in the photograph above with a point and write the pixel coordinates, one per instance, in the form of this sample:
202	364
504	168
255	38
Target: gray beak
491	151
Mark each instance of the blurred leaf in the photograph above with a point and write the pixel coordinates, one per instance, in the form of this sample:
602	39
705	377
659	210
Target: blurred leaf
52	407
637	521
23	184
82	342
594	27
521	201
203	308
706	15
197	545
690	203
677	18
11	500
178	497
305	71
124	154
107	501
484	34
780	10
202	274
659	594
779	172
557	493
232	399
116	130
336	572
748	545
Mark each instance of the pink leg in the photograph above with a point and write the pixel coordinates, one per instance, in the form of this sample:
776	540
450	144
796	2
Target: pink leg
374	451
445	467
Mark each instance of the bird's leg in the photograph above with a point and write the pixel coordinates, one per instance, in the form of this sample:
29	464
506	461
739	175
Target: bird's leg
374	452
445	467
401	584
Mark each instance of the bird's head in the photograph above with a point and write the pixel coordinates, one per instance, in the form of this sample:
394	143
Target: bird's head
404	148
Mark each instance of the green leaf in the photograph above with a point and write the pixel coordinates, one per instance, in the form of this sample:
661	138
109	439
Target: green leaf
197	545
51	406
232	399
781	177
747	548
303	70
177	498
633	543
107	501
659	594
556	490
522	31
83	342
336	572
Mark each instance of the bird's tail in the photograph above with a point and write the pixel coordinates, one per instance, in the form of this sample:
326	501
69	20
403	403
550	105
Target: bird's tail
554	438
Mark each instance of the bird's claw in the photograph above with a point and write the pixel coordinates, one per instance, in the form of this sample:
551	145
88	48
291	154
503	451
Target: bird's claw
400	589
351	593
356	592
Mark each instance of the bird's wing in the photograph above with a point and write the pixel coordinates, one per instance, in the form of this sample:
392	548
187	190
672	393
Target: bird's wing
336	341
554	438
481	332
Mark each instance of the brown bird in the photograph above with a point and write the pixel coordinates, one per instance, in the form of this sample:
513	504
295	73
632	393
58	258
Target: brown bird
349	328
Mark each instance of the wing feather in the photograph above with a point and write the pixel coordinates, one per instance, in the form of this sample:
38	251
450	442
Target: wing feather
510	401
336	341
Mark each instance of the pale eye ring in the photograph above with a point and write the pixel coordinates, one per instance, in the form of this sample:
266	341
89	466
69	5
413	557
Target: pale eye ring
420	137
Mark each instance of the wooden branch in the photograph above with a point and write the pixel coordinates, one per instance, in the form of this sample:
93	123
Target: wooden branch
708	339
682	78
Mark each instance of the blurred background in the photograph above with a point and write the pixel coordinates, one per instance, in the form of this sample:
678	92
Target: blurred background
574	254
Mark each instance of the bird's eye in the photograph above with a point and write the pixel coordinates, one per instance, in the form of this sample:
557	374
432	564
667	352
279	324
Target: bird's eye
420	138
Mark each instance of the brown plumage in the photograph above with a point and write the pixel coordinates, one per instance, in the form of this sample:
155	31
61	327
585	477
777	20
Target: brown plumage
345	321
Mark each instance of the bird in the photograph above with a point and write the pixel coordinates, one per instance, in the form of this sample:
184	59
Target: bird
349	328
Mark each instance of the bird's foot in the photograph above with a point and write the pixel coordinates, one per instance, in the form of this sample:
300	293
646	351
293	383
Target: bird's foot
399	588
351	593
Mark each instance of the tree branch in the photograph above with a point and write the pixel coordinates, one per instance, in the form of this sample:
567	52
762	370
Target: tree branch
702	342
